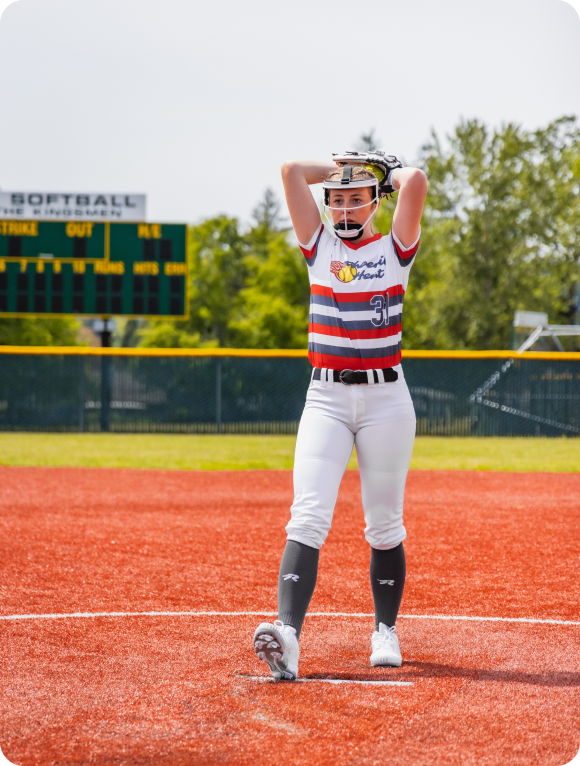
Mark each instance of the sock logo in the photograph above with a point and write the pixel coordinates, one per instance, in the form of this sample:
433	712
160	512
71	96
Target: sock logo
292	577
386	582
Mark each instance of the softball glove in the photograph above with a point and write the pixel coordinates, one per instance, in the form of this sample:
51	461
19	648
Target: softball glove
380	163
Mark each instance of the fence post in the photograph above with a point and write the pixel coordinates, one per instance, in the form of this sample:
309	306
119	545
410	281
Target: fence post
218	395
81	394
105	391
105	377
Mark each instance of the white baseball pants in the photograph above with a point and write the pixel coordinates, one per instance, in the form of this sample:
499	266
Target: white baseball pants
380	420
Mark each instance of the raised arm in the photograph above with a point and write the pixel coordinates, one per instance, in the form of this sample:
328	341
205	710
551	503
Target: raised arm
412	186
297	176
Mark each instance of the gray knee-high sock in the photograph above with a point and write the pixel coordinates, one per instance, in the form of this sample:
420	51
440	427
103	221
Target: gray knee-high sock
388	570
296	581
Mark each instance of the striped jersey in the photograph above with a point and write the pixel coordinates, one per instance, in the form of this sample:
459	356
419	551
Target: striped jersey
356	300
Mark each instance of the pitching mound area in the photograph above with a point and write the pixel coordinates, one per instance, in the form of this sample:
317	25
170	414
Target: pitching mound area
129	601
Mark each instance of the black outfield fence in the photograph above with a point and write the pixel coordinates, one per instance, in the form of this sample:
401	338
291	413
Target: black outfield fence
234	391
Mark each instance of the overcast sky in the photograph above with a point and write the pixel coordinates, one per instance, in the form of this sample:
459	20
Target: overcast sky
197	104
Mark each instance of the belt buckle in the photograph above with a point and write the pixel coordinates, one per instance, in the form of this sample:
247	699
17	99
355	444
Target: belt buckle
341	373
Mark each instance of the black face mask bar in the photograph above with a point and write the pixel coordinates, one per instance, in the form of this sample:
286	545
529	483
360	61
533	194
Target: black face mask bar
343	229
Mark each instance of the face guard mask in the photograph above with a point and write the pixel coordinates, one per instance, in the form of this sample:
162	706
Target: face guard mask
349	230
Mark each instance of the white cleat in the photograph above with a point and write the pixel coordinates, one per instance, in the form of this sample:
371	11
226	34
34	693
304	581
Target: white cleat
385	646
278	647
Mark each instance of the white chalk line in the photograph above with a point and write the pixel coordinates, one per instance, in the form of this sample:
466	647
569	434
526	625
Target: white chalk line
328	681
462	618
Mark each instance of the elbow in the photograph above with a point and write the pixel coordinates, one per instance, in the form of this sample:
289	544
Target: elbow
418	180
287	168
421	181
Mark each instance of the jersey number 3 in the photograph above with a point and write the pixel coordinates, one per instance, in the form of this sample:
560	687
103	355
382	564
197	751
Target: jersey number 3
381	305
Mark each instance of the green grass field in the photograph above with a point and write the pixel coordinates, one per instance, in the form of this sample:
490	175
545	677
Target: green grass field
246	452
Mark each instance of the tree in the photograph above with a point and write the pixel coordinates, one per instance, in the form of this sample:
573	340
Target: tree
31	331
273	307
266	214
272	310
500	232
247	290
553	189
218	272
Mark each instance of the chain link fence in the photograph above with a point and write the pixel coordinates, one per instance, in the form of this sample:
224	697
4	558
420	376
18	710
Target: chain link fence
259	395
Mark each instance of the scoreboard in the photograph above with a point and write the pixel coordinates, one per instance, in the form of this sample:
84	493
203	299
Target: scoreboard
54	268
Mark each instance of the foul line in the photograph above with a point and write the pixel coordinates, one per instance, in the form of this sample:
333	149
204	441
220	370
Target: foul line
328	681
464	618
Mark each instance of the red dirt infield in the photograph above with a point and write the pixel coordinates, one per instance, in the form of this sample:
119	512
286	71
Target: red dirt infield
188	689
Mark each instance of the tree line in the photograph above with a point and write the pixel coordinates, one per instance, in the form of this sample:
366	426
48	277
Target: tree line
500	232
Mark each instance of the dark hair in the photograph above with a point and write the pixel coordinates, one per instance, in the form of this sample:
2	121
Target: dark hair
359	173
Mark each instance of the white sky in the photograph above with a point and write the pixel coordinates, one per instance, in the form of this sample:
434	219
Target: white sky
198	103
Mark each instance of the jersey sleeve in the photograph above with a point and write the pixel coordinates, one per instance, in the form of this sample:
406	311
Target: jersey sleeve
310	250
405	256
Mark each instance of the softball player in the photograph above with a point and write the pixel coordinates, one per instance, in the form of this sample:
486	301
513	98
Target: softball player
357	393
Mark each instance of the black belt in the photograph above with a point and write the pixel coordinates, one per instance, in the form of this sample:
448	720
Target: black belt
357	377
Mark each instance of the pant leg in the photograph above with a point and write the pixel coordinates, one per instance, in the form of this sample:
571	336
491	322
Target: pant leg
384	453
323	449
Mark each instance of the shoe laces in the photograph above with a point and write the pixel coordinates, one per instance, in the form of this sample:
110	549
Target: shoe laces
285	628
388	637
288	632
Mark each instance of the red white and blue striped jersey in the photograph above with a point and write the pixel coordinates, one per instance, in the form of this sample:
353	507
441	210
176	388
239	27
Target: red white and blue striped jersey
356	300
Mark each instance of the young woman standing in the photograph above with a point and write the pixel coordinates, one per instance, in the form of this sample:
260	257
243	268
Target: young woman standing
357	394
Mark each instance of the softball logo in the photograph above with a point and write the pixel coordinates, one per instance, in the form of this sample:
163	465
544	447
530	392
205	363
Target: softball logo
345	272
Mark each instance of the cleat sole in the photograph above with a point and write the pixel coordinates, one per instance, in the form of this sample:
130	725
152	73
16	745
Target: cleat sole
270	646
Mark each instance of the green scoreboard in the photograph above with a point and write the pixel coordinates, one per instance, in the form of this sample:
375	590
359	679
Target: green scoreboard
97	269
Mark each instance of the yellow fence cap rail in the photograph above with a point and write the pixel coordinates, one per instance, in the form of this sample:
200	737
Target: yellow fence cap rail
91	351
555	356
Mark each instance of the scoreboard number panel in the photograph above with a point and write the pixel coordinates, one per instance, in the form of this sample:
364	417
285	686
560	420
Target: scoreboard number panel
54	268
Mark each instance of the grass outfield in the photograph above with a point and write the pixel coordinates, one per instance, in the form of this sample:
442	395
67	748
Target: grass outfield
212	453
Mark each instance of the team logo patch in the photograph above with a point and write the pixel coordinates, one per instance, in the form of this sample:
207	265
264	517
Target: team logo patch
344	272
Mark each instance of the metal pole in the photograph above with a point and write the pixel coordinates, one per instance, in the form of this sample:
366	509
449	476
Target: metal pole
81	394
105	378
218	395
